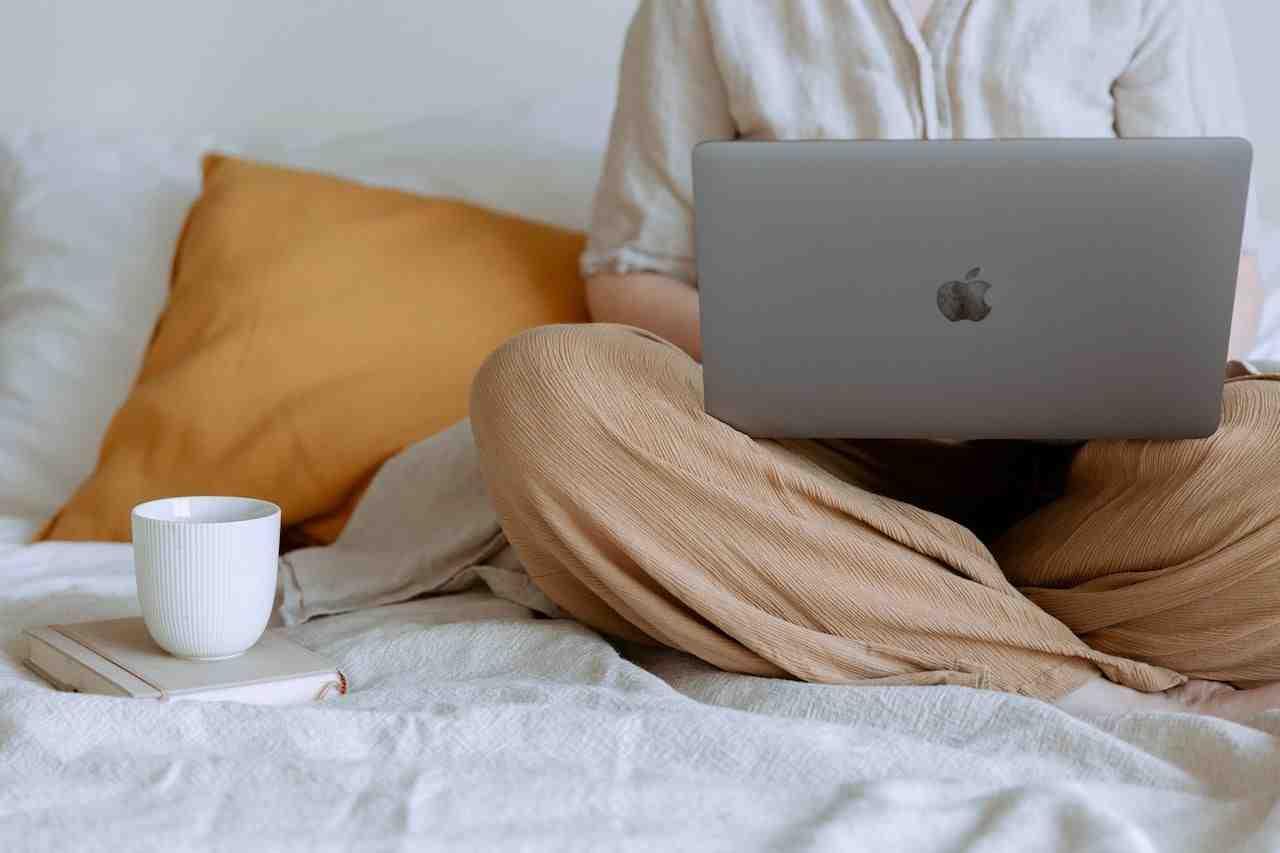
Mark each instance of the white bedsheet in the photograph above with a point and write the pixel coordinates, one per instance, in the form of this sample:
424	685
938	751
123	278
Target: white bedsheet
472	725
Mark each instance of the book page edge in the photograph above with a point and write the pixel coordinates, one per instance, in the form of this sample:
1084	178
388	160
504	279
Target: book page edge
131	686
79	656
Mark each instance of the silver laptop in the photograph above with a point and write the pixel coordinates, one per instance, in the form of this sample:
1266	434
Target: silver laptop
1039	289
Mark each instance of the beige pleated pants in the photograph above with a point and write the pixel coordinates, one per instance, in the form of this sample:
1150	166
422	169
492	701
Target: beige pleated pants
1011	566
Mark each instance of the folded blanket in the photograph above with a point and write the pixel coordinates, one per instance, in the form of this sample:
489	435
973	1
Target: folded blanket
425	525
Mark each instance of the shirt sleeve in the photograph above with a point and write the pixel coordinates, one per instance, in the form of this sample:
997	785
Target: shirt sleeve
670	98
1183	81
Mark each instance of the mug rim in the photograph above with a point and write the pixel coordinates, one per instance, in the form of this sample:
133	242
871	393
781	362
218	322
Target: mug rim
140	510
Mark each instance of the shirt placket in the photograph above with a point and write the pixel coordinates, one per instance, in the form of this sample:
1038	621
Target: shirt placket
942	42
932	53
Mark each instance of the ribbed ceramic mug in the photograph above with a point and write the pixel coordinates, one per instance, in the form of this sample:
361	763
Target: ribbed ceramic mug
206	572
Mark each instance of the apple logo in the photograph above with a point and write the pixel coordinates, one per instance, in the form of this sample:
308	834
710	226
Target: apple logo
965	300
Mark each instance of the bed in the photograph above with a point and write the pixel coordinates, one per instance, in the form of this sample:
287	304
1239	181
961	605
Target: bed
472	725
475	720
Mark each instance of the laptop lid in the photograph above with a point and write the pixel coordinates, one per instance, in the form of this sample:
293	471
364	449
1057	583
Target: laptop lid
1038	289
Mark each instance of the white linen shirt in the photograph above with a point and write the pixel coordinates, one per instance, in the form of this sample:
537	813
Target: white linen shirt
696	70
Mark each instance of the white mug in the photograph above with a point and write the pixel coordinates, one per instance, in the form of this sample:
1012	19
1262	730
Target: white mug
206	572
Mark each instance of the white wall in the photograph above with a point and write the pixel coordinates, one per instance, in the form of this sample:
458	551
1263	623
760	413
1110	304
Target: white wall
313	68
302	68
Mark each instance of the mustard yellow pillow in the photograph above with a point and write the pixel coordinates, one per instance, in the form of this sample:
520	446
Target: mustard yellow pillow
315	327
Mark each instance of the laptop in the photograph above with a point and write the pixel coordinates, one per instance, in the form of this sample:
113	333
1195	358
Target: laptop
1022	289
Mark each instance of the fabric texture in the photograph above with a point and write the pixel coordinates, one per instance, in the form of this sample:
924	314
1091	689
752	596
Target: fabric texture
471	726
88	225
698	70
1268	346
842	562
425	525
314	328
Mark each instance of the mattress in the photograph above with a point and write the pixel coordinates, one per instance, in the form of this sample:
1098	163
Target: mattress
471	724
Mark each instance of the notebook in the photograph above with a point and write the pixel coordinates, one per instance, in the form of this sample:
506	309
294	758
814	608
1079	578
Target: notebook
117	657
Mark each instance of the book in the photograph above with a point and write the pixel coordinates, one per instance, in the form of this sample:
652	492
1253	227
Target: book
117	657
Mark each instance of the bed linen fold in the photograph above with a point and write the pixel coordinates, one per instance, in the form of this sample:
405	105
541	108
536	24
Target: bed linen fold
471	724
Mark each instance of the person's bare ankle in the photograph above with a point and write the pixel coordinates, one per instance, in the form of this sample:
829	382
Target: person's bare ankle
1199	696
1196	696
1216	699
1100	696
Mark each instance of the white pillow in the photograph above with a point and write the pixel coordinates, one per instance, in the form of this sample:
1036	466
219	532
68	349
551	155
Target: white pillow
85	250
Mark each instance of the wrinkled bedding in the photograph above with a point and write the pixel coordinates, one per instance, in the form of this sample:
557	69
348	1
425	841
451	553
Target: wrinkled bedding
473	724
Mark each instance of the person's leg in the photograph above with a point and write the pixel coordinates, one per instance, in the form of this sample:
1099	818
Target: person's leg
1169	552
642	516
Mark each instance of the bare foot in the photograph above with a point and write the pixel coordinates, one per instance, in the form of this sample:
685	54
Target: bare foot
1214	699
1206	698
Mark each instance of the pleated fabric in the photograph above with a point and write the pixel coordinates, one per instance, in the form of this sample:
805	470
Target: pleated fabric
1010	566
